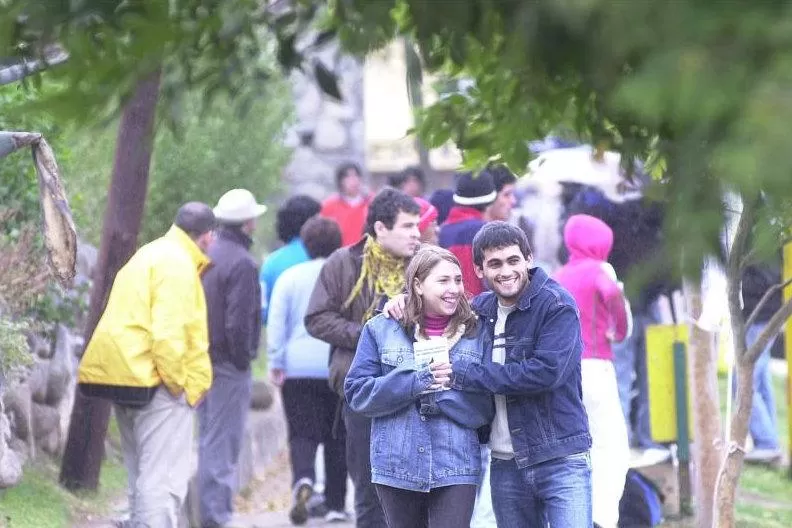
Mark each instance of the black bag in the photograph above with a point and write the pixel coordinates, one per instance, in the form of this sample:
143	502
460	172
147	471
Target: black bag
641	505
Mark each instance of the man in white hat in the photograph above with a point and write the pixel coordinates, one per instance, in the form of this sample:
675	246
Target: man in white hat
233	299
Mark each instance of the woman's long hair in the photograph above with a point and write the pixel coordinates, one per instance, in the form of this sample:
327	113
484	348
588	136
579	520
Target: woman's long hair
421	265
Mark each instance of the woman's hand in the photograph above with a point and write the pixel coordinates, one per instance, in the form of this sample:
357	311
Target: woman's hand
442	375
394	308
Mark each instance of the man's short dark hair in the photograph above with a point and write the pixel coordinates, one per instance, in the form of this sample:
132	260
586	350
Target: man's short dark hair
397	180
195	219
498	235
341	172
321	236
293	214
501	176
387	205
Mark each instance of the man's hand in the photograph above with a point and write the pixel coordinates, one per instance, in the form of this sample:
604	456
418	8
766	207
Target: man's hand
277	376
442	375
394	308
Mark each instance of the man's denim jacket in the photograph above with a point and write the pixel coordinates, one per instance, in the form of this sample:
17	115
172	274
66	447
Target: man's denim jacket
541	376
415	445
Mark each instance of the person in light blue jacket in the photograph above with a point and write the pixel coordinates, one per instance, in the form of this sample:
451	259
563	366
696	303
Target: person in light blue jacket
289	219
425	456
298	364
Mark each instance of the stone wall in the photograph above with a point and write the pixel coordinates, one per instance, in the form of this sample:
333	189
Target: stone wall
36	406
327	132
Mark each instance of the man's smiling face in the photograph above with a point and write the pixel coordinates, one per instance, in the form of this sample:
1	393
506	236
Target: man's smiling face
506	271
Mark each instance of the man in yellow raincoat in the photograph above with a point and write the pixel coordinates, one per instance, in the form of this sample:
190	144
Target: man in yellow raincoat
149	356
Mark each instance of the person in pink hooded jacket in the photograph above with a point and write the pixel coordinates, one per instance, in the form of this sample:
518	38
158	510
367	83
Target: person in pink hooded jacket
604	318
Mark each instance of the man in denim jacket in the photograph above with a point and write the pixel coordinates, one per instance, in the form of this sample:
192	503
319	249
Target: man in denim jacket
541	470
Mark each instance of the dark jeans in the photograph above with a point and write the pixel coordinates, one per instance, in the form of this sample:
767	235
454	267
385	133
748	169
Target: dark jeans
555	493
310	412
446	507
368	512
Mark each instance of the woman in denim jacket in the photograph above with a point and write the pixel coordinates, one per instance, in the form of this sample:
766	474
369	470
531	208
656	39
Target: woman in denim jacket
425	456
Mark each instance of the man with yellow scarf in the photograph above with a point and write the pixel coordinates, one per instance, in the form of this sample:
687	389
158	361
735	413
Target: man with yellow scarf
352	285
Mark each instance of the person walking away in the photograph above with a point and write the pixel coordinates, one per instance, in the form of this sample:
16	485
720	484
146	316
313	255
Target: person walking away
233	300
149	356
424	444
603	318
288	221
505	184
353	283
756	281
349	206
472	196
298	364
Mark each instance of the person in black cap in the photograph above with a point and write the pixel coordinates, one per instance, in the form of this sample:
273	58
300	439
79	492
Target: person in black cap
472	196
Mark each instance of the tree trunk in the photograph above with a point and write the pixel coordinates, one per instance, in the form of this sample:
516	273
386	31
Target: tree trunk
84	452
729	476
703	385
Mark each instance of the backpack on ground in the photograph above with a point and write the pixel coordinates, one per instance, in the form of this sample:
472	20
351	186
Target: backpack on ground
641	504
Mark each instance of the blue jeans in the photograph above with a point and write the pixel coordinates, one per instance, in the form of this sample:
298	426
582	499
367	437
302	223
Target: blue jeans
629	360
555	493
763	411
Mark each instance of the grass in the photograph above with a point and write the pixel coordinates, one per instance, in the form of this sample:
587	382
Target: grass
39	502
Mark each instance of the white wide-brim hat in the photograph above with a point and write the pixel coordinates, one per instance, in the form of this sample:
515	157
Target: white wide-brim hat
238	205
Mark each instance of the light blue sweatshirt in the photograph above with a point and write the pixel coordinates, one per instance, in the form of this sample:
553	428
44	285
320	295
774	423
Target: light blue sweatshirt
289	345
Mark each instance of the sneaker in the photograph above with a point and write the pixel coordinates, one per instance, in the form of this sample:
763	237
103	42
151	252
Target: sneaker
334	516
763	456
303	491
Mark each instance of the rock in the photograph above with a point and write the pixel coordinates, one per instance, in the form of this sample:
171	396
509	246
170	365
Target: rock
21	449
17	401
261	396
39	345
45	420
62	367
38	381
51	442
329	134
10	463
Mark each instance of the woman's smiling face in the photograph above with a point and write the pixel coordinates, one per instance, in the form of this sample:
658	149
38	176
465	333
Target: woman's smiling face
441	289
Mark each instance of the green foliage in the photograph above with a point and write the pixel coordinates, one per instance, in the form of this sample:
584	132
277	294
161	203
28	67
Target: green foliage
217	152
19	189
700	89
214	150
14	350
217	46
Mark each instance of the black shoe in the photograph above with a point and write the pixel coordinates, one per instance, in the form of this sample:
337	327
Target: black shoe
302	494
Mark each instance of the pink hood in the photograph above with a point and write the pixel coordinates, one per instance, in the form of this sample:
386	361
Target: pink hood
587	237
598	296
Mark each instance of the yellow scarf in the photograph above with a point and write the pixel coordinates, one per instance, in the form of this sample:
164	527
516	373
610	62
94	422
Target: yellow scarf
382	272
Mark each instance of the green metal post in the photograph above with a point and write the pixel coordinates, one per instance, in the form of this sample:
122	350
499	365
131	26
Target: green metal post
683	436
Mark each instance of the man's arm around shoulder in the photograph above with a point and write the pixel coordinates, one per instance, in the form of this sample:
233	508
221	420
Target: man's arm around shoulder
556	351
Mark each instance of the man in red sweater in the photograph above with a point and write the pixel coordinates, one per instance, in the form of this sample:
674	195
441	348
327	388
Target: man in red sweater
350	205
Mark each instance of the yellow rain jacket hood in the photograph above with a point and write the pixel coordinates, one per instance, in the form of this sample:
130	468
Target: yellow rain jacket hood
154	328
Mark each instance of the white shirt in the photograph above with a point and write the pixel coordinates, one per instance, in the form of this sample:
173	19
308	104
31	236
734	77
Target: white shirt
500	436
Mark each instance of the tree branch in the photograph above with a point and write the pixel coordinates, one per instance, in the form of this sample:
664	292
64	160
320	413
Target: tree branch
771	329
19	71
734	271
769	293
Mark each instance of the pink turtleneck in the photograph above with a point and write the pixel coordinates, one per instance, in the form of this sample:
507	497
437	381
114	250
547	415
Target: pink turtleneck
435	325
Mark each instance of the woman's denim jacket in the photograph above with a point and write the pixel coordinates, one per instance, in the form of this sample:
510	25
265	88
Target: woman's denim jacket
415	445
